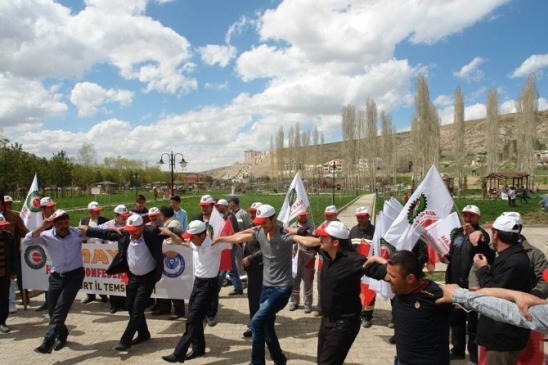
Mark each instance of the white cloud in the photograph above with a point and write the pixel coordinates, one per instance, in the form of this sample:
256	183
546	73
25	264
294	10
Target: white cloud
115	32
471	71
27	102
218	86
508	106
443	100
88	97
213	54
531	65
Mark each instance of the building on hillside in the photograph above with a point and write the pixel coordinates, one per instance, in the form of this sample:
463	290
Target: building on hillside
251	155
338	163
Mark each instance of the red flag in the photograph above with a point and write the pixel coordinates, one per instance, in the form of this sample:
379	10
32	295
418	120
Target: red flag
367	295
532	354
226	255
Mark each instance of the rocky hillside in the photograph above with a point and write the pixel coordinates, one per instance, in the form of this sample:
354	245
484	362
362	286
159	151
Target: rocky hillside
475	133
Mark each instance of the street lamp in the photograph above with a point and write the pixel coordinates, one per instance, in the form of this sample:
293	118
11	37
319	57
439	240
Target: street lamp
171	156
135	177
333	167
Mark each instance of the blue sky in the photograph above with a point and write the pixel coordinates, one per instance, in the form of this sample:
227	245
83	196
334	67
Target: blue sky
214	78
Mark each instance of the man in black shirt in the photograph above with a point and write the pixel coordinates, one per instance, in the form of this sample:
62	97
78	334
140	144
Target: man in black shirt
340	291
364	230
421	326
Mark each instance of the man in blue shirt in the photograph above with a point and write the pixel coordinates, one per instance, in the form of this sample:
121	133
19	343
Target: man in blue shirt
180	213
64	246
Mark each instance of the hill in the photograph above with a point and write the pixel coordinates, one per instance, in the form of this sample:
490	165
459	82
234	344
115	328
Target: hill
475	133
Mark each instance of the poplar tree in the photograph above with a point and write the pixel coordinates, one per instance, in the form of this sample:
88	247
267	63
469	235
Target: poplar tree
492	130
458	121
527	123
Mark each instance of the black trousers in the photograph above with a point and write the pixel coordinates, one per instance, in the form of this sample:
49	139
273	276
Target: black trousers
459	329
203	292
4	298
254	288
138	292
335	339
61	293
178	305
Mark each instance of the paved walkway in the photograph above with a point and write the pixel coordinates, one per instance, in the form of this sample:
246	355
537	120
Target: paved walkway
93	332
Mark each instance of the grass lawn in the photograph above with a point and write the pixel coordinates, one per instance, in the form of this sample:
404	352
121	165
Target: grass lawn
491	209
77	206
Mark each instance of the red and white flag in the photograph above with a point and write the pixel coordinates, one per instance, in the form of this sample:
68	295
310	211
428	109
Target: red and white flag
219	228
440	232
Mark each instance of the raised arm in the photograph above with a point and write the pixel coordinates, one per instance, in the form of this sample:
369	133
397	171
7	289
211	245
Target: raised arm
307	241
234	239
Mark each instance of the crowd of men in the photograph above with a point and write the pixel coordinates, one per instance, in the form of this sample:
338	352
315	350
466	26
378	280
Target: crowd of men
428	328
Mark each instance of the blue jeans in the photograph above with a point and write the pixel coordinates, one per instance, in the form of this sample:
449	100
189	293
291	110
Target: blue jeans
273	300
233	274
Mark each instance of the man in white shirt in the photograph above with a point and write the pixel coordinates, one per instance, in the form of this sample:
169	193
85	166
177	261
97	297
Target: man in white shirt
207	258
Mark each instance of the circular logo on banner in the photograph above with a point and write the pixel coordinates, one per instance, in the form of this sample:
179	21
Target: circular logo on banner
386	249
35	257
33	201
416	208
174	264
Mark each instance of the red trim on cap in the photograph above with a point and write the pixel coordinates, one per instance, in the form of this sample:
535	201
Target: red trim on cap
186	235
322	232
259	220
129	228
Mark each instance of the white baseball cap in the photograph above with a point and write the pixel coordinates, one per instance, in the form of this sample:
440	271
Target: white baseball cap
47	202
254	206
330	210
58	214
506	223
94	206
222	202
133	222
471	209
8	198
194	227
515	215
154	211
362	211
122	210
207	200
264	212
334	229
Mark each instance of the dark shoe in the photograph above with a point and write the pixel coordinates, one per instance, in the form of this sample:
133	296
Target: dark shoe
159	312
59	344
281	362
236	292
248	333
456	356
173	358
88	299
307	310
392	340
194	354
104	298
44	348
366	323
113	310
173	317
4	328
121	347
226	283
139	340
292	307
43	307
211	321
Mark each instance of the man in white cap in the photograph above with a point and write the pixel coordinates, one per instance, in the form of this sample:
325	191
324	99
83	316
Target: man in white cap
207	258
8	270
511	269
154	217
460	260
341	280
47	206
330	213
364	230
306	260
276	249
94	219
121	214
140	257
64	246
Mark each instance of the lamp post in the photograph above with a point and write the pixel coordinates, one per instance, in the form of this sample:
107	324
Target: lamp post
171	156
333	167
135	177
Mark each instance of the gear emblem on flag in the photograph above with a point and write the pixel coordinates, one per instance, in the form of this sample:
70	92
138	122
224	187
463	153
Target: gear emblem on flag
386	249
416	208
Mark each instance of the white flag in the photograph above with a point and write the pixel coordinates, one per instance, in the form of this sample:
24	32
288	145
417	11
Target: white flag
429	203
31	214
441	232
382	223
296	201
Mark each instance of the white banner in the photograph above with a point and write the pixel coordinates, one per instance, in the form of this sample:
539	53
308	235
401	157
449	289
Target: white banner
31	214
295	201
441	231
176	282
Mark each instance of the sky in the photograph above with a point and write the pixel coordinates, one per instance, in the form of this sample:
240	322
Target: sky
212	78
